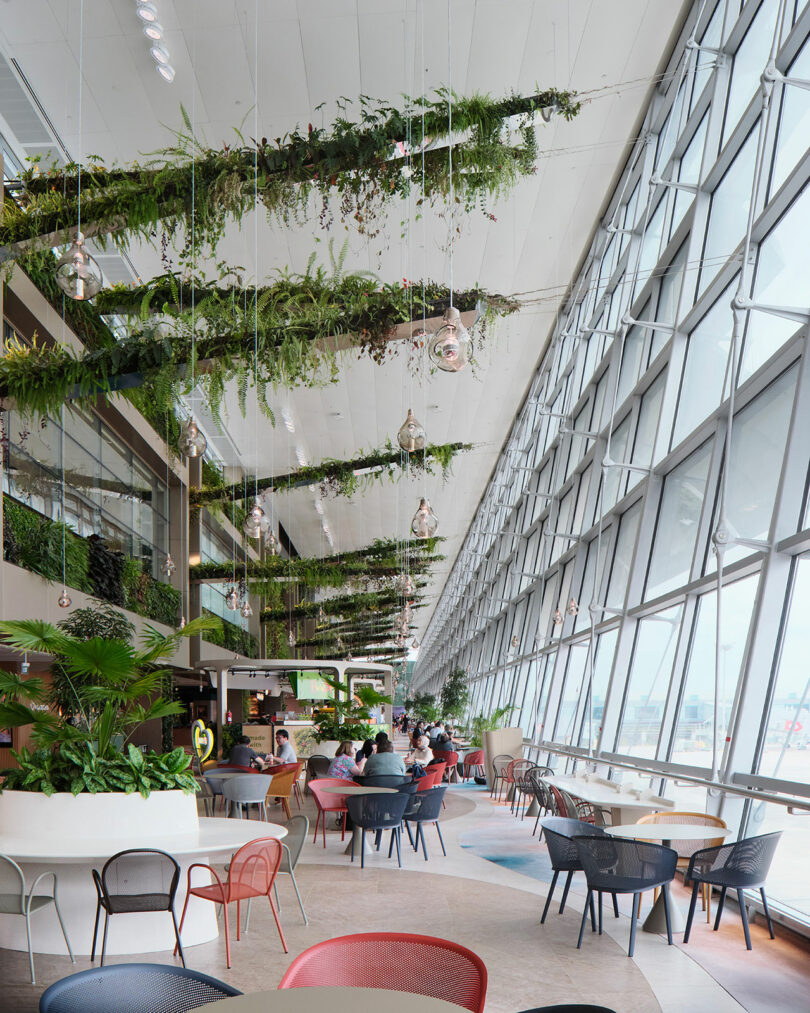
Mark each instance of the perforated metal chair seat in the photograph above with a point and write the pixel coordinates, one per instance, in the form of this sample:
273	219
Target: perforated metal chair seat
134	988
132	902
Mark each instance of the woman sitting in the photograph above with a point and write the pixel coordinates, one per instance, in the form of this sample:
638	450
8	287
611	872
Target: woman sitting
422	753
344	764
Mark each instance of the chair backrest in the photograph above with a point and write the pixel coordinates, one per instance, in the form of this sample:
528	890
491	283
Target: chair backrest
328	801
427	782
146	875
233	768
474	758
421	965
386	780
377	811
450	756
408	787
245	788
133	988
297	830
254	866
281	783
558	832
636	865
500	764
427	805
560	803
686	849
282	768
746	861
437	770
12	883
518	769
318	765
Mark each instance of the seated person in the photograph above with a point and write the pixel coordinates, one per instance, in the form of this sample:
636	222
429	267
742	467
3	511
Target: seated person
242	755
445	744
363	753
284	751
344	764
422	753
380	737
384	761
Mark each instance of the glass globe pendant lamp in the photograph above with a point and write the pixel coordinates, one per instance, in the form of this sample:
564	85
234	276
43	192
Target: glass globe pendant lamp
425	523
272	544
246	611
232	600
450	347
411	436
168	566
414	643
252	525
291	639
77	274
64	600
191	442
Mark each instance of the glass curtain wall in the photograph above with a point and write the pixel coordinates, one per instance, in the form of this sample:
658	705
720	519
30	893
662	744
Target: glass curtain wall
656	476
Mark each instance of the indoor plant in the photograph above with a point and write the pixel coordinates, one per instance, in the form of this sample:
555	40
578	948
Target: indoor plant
351	714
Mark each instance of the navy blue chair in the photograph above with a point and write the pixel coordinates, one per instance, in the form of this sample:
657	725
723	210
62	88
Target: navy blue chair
563	853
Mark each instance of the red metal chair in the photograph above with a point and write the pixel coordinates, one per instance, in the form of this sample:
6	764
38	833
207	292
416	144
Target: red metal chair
252	872
421	965
472	764
428	781
440	766
328	802
450	758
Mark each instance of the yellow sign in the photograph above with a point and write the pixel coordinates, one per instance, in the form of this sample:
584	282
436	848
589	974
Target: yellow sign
202	739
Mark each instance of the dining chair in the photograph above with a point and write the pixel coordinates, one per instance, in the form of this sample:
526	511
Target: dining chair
514	772
378	812
291	847
135	880
133	988
422	965
385	780
500	764
472	764
15	901
246	790
740	866
282	784
252	873
686	849
564	856
426	808
614	866
283	768
328	802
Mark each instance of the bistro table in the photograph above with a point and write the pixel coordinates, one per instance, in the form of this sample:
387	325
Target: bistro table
336	1000
356	789
623	805
666	833
145	932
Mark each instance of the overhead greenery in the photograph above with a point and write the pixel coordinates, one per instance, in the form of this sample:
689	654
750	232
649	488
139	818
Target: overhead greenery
362	604
117	688
232	637
358	162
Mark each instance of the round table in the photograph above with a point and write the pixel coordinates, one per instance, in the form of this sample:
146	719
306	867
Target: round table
336	1000
145	932
666	833
355	789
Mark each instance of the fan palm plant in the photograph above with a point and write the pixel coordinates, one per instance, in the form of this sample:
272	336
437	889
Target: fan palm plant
116	687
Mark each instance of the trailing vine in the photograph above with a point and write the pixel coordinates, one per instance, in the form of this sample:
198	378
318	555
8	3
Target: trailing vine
362	604
361	162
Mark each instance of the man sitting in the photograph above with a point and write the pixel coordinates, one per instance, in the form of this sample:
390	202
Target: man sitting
242	755
284	751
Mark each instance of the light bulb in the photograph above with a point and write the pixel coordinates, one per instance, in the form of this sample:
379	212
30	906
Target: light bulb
425	522
515	641
557	617
573	607
160	54
168	566
411	435
77	274
291	639
246	611
191	442
450	347
232	600
414	643
272	544
252	525
63	601
166	71
153	31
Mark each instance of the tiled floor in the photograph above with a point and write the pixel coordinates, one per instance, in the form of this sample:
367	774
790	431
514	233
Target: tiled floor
491	908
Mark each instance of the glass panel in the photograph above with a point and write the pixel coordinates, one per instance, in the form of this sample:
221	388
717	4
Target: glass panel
605	649
615	480
622	557
677	525
651	243
693	734
647	426
689	172
749	61
572	692
794	123
648	682
705	61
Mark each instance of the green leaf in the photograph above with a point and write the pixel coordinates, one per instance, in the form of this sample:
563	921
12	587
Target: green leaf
135	757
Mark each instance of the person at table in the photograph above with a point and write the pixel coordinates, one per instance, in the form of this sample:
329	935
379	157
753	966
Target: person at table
363	753
284	751
344	764
422	753
444	745
243	755
384	761
436	732
379	738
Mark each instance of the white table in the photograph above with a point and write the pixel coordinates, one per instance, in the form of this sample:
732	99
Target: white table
336	1000
666	833
624	806
145	932
356	789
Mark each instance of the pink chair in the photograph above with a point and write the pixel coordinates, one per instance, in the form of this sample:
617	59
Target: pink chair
329	802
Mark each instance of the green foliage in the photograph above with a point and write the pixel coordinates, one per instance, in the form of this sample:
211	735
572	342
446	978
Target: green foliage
454	695
487	723
232	638
352	712
347	605
116	688
39	546
423	707
149	597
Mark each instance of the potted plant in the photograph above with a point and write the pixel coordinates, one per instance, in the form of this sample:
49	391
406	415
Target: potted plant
487	723
84	775
349	720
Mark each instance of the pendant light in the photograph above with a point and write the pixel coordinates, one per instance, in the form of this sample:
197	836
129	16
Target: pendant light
272	544
63	601
191	442
246	611
425	523
291	639
349	656
414	643
406	583
168	566
253	522
411	436
181	626
232	600
77	274
573	607
450	347
557	618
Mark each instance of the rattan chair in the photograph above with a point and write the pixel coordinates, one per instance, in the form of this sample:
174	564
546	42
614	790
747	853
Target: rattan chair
140	879
740	866
133	988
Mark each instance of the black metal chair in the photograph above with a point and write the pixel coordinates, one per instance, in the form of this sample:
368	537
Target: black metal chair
317	766
425	807
140	879
740	866
536	784
612	865
383	780
564	856
133	988
378	812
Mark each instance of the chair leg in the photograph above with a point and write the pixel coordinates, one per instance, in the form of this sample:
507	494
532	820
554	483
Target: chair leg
633	920
568	879
323	829
363	848
177	937
665	892
104	938
183	918
286	804
744	918
539	814
95	932
441	839
298	895
420	830
30	948
764	908
227	936
720	904
278	903
278	922
593	915
691	915
588	902
317	823
408	829
354	835
395	834
238	920
600	912
343	822
615	906
377	840
391	845
550	892
64	931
